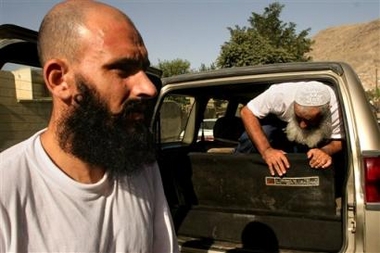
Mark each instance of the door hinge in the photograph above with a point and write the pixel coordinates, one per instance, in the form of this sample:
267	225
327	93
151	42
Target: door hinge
352	226
351	217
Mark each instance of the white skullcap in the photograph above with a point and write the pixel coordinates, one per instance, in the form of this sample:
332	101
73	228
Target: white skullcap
312	94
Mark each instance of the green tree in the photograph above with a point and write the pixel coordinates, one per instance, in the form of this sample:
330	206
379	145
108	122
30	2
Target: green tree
174	67
373	96
203	67
267	40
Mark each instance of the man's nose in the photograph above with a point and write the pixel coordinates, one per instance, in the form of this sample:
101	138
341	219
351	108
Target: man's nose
303	124
142	87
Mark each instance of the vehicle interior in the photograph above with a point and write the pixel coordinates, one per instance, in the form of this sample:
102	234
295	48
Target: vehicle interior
228	201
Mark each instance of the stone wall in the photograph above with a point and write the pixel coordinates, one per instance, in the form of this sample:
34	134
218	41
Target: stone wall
25	105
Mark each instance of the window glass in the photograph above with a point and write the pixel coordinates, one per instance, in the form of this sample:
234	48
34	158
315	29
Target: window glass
215	109
177	115
174	116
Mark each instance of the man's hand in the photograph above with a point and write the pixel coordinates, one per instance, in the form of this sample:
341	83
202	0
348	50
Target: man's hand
318	159
276	160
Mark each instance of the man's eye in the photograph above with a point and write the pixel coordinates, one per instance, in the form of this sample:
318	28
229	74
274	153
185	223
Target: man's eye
124	72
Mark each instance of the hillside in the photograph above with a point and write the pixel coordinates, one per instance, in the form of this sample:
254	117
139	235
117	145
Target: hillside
357	44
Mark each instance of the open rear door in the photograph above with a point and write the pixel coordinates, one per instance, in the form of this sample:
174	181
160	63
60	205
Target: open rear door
237	200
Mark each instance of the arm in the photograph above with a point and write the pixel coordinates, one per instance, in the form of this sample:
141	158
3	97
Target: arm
276	159
321	158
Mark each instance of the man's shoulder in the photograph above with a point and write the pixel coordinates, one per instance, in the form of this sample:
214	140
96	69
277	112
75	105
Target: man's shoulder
12	166
14	154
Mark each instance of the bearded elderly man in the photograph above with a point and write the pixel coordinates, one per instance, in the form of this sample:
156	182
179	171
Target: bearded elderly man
89	182
303	115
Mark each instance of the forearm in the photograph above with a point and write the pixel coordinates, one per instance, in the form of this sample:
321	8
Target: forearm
254	130
332	147
322	157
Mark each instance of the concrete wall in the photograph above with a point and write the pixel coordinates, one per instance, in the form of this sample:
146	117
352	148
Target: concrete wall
25	105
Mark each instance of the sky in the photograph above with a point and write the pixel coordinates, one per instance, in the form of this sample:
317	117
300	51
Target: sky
195	30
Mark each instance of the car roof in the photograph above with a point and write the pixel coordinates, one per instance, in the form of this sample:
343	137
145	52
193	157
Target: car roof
19	45
282	68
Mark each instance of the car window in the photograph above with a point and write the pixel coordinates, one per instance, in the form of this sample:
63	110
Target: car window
178	118
174	116
215	109
208	123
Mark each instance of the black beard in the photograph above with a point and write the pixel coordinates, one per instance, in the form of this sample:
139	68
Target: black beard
117	143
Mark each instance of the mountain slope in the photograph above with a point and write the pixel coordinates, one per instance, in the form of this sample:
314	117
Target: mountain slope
357	44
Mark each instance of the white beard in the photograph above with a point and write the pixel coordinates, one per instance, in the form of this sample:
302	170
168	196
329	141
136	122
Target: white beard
309	137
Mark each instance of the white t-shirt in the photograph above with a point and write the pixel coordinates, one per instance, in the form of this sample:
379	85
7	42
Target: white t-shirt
43	210
279	98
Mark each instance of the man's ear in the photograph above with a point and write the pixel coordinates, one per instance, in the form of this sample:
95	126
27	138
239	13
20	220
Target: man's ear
56	76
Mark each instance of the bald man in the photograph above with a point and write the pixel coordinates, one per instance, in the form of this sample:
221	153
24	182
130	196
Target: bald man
89	182
301	113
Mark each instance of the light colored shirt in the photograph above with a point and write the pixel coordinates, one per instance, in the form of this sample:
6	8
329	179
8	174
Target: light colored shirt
43	210
278	100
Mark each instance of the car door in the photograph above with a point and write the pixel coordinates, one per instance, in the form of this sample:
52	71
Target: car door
218	196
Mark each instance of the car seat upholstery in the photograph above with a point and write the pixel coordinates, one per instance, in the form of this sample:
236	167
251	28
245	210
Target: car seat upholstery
227	131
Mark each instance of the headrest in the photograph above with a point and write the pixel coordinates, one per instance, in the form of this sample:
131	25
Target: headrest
228	128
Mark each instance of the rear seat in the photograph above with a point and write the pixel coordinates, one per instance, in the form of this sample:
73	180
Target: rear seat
227	131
